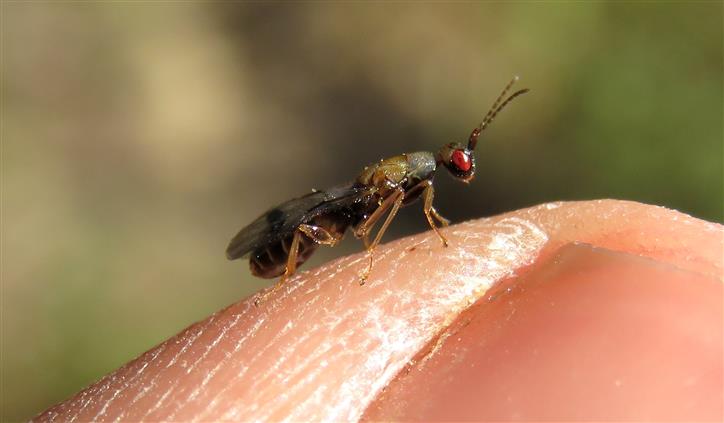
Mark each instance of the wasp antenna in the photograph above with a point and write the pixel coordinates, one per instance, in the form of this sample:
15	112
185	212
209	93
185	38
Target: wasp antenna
494	110
498	100
507	100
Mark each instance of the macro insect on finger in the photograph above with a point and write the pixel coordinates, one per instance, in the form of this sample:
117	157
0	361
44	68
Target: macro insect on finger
284	237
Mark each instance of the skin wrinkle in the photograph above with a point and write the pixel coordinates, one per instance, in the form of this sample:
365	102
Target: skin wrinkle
137	376
236	349
128	382
238	345
84	399
190	341
173	359
320	352
107	381
270	412
240	374
311	372
316	396
273	373
212	372
242	370
264	379
93	392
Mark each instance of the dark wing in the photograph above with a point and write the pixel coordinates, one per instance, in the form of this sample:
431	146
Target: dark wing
281	221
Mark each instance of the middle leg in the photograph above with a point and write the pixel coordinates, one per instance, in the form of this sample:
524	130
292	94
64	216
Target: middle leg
393	202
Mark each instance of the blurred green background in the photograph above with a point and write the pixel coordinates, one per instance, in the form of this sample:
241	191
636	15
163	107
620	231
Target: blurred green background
138	138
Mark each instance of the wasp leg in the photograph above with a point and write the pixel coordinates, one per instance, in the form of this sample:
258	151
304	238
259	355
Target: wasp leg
289	270
430	211
366	240
393	201
364	229
443	222
319	235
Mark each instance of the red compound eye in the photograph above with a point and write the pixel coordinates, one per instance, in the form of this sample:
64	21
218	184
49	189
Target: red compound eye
461	160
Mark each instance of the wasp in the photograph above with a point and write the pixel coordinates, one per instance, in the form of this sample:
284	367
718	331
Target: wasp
284	237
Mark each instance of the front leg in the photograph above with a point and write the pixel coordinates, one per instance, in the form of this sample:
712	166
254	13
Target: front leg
428	194
443	222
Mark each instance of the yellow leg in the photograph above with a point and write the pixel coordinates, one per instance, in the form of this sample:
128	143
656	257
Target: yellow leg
443	222
289	270
319	235
427	196
394	201
364	228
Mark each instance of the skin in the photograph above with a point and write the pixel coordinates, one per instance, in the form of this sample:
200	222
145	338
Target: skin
590	310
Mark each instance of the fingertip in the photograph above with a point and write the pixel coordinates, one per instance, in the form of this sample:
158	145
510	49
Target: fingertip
322	347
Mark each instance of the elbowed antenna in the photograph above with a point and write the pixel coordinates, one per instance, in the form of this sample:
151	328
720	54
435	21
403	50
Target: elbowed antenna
494	110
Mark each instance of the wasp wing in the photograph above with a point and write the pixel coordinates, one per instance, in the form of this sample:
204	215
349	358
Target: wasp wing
281	221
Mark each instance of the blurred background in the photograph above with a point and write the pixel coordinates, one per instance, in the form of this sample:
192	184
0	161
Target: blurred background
138	138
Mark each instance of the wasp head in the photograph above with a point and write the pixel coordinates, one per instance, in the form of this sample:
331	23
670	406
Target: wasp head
459	160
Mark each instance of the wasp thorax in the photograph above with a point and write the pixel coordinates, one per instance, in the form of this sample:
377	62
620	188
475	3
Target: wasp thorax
458	160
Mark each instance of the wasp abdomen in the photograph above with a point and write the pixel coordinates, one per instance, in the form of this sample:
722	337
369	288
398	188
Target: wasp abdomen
270	261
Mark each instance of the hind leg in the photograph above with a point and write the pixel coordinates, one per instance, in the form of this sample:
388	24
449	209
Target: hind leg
320	235
317	234
290	268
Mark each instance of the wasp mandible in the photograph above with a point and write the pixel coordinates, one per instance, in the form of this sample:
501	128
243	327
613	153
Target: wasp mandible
284	237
